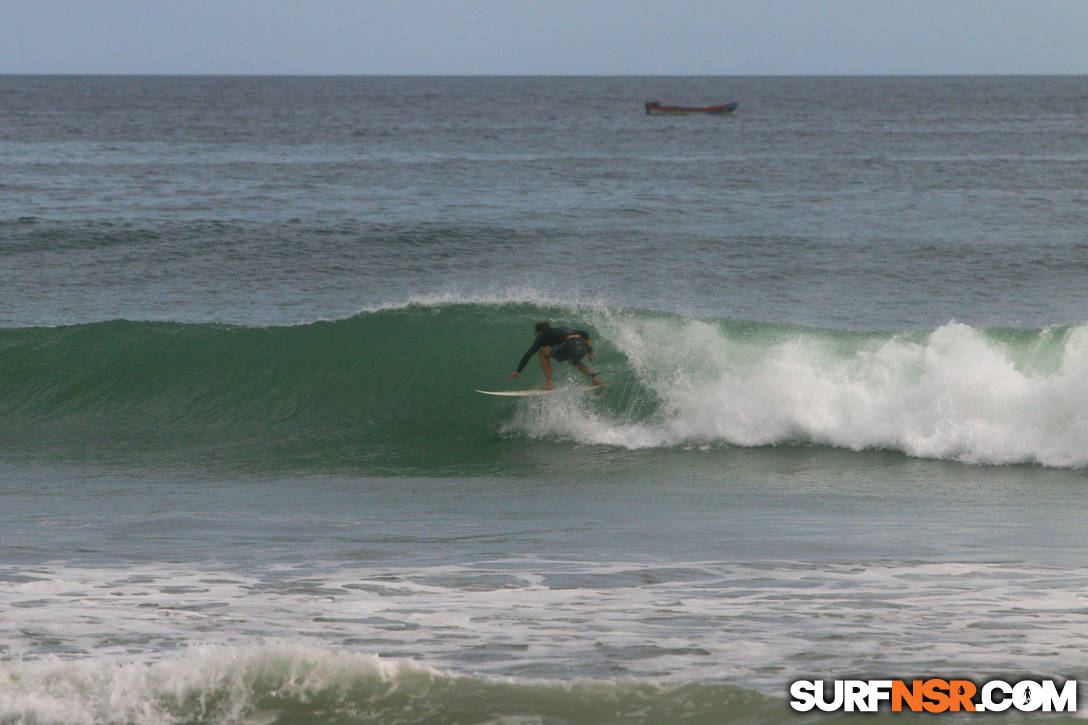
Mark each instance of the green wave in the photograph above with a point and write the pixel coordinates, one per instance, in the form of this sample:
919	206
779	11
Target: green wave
388	389
391	390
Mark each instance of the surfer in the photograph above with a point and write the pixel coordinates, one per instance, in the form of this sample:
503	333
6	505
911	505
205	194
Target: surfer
560	343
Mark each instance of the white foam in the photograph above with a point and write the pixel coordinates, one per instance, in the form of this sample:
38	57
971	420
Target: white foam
953	394
206	684
756	625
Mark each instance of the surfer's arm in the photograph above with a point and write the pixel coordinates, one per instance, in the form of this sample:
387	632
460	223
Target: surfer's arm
525	358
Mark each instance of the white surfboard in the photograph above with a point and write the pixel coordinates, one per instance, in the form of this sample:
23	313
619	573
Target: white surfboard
538	391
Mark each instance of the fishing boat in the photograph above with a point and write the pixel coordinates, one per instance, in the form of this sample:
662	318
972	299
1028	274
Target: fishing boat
655	108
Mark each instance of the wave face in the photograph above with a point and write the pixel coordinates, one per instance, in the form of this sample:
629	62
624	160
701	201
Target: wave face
391	389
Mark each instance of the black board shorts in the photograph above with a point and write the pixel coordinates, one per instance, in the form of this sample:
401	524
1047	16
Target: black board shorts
573	350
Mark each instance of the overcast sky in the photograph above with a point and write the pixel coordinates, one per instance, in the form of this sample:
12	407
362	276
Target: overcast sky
681	37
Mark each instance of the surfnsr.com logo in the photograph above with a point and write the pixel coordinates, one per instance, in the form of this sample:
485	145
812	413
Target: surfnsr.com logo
933	695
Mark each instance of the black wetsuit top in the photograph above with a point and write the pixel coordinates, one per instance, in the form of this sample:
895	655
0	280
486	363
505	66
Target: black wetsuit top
551	336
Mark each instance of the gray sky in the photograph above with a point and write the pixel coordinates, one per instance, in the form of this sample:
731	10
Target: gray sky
700	37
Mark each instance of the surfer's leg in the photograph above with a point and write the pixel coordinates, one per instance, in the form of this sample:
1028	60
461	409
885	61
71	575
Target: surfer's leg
546	365
585	369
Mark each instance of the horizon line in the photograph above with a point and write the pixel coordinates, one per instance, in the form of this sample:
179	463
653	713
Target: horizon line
531	75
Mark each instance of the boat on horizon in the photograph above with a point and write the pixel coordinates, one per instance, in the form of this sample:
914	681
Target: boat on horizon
655	108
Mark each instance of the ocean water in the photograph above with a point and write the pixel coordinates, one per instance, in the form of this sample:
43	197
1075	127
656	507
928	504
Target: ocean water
245	477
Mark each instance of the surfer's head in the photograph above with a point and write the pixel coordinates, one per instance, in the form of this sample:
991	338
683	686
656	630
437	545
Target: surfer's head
542	326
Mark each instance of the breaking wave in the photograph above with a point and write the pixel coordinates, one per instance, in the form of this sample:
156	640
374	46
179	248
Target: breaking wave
391	389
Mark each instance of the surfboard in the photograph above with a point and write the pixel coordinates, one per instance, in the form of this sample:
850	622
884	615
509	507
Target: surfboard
538	391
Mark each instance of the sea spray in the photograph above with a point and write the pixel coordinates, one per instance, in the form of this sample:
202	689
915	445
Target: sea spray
956	392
